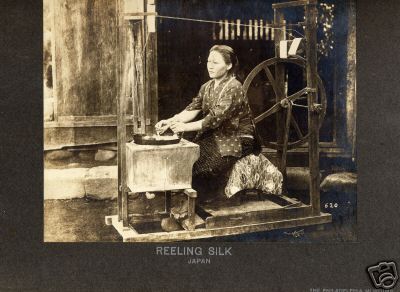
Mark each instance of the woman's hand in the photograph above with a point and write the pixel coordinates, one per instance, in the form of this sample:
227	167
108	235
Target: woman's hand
178	127
162	126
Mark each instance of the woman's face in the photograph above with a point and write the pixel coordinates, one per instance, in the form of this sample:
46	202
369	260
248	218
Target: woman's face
216	66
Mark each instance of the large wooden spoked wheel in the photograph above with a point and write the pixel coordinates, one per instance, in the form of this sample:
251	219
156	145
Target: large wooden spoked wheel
279	101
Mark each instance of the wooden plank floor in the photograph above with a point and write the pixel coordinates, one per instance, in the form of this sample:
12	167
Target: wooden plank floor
222	208
228	213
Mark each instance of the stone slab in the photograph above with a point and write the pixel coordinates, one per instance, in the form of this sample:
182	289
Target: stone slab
86	155
105	155
340	182
59	155
64	183
102	182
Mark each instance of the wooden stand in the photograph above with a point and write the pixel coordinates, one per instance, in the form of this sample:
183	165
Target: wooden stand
129	235
224	219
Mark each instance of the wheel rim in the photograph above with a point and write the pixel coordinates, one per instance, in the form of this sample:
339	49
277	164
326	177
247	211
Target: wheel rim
264	66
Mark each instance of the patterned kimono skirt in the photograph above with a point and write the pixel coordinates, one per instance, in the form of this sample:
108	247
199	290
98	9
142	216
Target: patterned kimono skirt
211	171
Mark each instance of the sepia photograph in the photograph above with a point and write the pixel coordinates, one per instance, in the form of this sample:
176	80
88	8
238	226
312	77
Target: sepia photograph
199	121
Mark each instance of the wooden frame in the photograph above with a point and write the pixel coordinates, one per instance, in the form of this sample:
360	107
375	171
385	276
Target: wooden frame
294	214
128	234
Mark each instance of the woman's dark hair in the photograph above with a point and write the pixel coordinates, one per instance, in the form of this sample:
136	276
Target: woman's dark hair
228	55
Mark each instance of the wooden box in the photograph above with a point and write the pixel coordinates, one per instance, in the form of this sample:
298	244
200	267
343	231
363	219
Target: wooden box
160	168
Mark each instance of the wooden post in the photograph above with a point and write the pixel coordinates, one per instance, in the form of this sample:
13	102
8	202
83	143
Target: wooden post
145	104
311	57
53	60
286	138
279	35
134	81
144	50
167	202
192	195
138	76
351	100
121	126
151	72
118	74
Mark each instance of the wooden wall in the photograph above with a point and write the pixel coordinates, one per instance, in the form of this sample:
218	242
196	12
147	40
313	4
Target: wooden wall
85	42
85	65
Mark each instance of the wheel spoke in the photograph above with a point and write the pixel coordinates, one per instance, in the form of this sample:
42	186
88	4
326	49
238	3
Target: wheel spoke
300	105
273	82
269	112
296	127
298	94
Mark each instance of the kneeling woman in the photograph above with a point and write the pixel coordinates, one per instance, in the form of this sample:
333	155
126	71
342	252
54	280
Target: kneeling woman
225	131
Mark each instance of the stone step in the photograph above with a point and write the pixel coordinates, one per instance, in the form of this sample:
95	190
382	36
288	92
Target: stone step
70	183
102	182
64	183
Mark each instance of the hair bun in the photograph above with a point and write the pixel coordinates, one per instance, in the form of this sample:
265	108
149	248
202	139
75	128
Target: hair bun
228	55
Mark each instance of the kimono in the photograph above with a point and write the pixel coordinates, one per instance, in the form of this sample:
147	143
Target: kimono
226	114
227	132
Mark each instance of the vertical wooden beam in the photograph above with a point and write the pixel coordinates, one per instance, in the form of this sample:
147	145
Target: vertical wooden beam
286	138
145	35
279	35
144	51
145	61
151	70
351	100
191	196
311	67
133	76
121	126
138	60
167	202
118	73
191	213
53	59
